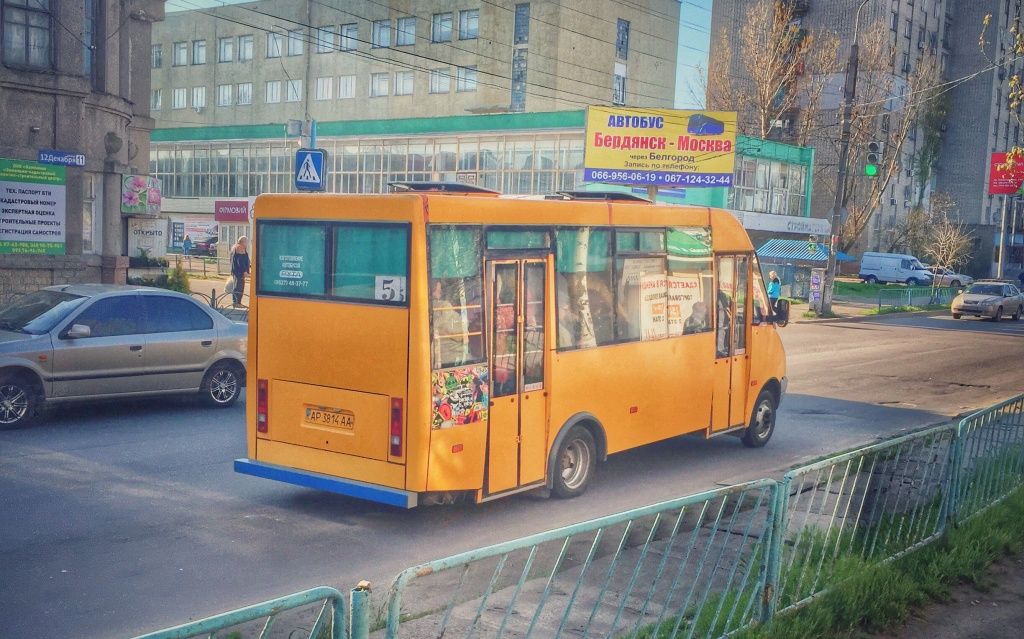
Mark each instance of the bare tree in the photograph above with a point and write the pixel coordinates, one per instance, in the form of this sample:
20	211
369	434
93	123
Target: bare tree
783	68
912	234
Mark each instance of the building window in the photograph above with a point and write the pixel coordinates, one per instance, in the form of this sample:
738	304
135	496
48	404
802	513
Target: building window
180	54
295	42
225	50
244	48
403	83
346	87
224	94
518	80
199	52
469	24
293	91
622	40
92	43
378	85
521	32
244	93
273	92
619	89
92	193
405	35
324	88
156	99
349	35
27	33
326	41
907	28
465	79
157	56
198	97
275	43
894	24
441	28
440	80
178	97
381	37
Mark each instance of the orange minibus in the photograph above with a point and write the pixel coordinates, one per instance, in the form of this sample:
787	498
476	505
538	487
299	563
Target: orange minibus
443	342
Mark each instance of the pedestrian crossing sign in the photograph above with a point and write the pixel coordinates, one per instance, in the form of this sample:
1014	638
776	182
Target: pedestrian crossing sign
309	169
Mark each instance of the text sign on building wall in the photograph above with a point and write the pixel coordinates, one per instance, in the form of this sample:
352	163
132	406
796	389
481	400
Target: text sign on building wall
33	207
662	147
1005	180
231	211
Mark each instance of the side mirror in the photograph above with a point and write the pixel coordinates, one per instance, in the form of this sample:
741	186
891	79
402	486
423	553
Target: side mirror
78	331
782	312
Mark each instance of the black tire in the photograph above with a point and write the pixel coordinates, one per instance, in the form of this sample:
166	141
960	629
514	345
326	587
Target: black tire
19	401
999	314
955	284
1016	316
222	385
762	421
871	279
911	281
956	315
574	465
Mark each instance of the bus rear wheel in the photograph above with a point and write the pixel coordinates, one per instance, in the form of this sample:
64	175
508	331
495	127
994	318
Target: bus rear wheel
575	462
762	421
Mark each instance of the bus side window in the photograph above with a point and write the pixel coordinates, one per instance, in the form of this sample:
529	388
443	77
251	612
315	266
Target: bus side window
584	293
690	281
456	297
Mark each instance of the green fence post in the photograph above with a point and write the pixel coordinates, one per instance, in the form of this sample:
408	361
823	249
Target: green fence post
773	560
359	612
952	504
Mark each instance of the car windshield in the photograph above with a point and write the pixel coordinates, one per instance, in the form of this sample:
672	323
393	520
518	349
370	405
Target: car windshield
38	312
985	289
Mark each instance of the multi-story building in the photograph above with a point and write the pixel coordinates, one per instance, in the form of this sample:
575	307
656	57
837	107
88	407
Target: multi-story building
71	92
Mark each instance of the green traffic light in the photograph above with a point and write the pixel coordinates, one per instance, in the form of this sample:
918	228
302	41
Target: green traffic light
871	170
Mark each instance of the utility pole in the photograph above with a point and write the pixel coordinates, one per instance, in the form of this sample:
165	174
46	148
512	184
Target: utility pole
849	92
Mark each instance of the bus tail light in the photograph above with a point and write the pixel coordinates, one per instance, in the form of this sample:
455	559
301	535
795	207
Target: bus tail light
396	426
261	406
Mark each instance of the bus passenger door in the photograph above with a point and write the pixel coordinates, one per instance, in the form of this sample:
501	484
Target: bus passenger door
730	376
516	431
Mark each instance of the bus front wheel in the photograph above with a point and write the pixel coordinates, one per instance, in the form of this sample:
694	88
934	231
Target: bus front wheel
576	459
762	421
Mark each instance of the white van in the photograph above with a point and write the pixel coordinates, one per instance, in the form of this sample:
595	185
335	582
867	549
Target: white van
893	267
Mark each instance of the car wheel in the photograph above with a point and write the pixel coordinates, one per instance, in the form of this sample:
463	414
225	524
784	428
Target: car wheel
762	421
222	385
19	401
574	463
955	284
999	314
956	315
871	279
911	281
1016	316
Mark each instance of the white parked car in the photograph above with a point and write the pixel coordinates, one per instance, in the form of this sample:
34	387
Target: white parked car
942	276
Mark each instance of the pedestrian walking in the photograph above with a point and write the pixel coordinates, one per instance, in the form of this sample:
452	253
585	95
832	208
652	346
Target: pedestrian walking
774	288
187	246
239	268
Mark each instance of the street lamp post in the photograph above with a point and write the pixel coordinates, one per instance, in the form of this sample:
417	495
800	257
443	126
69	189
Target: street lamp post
849	92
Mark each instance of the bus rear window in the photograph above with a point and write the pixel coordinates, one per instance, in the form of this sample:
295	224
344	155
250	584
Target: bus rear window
329	260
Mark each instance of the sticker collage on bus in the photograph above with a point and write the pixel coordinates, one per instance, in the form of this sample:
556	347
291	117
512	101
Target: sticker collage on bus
461	396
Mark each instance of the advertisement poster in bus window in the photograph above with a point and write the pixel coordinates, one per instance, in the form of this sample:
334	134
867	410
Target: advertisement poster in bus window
683	292
292	259
461	396
653	307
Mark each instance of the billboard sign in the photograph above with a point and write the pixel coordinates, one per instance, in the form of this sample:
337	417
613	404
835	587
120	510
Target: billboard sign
1004	180
33	208
140	195
659	147
231	211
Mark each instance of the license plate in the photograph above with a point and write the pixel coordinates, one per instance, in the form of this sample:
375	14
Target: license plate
327	416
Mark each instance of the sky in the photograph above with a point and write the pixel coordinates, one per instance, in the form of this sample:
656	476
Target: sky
694	37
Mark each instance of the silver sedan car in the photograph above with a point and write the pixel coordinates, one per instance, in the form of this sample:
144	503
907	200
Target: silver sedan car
92	341
989	298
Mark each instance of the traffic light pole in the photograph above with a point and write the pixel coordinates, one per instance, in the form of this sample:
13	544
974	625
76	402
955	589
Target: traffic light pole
849	92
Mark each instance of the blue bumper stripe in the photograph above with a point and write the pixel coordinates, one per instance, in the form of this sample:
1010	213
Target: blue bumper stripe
349	487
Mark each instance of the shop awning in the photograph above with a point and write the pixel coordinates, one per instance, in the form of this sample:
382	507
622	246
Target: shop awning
779	250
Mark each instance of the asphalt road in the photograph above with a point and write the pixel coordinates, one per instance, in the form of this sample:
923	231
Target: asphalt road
122	518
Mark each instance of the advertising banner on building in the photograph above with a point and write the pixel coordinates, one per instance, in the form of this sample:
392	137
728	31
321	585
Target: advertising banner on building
140	195
147	234
33	207
236	211
1004	180
659	147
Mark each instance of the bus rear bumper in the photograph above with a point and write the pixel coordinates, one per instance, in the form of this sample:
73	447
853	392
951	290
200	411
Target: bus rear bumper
347	487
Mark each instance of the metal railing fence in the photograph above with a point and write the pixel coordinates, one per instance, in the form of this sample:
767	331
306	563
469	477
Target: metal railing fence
897	296
709	564
225	303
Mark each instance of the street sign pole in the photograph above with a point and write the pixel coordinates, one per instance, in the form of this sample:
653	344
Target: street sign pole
1002	241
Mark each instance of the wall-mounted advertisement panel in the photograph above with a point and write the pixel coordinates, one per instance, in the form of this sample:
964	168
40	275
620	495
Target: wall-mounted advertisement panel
660	147
33	208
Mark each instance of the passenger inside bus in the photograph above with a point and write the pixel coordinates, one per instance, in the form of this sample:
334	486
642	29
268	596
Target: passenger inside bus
697	322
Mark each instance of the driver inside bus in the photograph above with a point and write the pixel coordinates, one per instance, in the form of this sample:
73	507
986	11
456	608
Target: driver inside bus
448	330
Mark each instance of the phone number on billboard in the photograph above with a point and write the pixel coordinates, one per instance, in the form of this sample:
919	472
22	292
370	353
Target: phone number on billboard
647	177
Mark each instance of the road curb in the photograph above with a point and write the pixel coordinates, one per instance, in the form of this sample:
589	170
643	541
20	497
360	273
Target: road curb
864	318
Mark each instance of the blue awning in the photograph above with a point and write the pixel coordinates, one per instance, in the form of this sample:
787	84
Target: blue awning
779	250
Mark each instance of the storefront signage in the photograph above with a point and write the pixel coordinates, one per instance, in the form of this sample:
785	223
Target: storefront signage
1004	180
147	234
236	211
663	147
33	208
140	195
63	158
782	223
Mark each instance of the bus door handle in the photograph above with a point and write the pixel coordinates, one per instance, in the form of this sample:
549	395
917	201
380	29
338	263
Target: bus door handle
206	342
135	348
